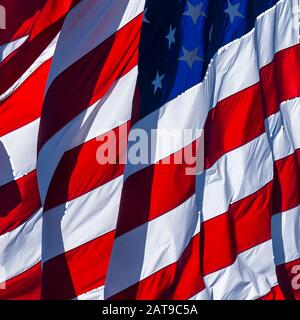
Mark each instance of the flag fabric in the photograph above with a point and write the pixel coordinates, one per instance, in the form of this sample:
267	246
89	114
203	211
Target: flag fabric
227	67
89	93
27	47
81	76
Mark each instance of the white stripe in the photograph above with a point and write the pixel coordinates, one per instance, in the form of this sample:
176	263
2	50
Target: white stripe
285	235
251	276
203	295
65	229
8	48
275	31
21	248
110	112
166	119
151	247
223	79
96	294
284	128
47	54
235	176
18	152
88	25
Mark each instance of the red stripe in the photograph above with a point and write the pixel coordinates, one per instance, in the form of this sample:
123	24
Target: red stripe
23	107
287	183
178	281
288	275
19	201
20	16
279	80
239	118
26	286
155	190
246	225
227	125
97	71
275	294
52	12
46	27
14	66
77	271
79	172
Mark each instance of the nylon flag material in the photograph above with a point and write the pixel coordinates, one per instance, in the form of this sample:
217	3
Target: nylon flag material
150	149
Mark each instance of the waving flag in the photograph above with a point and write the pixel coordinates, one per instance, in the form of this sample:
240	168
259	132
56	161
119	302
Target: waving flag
179	239
89	94
75	74
27	47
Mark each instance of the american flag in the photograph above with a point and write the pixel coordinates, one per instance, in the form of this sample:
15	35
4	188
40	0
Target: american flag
75	72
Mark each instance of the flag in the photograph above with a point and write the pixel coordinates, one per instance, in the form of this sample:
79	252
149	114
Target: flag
89	93
227	67
27	47
106	108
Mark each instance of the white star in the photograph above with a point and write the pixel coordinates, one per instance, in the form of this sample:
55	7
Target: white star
195	12
190	56
233	11
157	81
171	36
145	19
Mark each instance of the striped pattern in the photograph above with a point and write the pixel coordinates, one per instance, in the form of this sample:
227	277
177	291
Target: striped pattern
251	123
26	50
71	228
102	69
